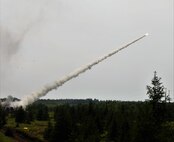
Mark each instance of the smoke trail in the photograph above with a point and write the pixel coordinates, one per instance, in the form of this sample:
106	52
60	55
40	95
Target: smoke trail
33	97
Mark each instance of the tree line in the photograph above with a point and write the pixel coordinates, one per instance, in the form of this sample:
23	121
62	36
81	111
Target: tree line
103	121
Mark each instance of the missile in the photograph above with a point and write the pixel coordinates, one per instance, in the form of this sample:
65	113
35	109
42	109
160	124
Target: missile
146	34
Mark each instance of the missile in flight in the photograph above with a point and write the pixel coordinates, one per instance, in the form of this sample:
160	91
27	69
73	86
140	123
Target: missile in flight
29	99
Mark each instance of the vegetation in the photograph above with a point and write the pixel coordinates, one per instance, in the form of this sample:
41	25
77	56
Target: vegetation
4	138
94	121
2	117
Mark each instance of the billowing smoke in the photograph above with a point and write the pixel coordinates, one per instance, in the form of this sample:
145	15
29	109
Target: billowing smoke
35	96
6	102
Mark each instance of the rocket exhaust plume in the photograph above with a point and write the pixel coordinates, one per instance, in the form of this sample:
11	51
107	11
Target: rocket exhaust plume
35	96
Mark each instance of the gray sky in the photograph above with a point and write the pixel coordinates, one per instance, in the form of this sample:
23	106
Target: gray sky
42	40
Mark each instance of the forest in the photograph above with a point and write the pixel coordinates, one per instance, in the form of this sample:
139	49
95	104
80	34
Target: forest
88	120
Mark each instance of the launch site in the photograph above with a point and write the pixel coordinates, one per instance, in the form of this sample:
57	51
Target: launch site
86	71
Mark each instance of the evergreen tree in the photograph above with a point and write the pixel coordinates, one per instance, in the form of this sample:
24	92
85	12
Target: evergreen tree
62	128
2	116
156	92
42	112
156	95
20	115
158	108
48	130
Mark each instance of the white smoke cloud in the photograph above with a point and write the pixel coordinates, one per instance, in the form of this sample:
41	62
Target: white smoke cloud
35	96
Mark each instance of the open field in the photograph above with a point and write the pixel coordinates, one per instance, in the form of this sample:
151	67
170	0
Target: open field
35	128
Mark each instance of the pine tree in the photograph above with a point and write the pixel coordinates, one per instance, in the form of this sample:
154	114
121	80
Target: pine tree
156	92
20	115
158	108
2	116
48	131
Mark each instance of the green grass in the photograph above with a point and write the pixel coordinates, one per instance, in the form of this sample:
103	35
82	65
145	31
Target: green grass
11	122
4	138
35	128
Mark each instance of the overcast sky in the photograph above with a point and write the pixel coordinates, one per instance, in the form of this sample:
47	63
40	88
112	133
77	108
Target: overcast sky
42	40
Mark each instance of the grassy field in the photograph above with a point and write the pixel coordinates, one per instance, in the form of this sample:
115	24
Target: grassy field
4	138
34	129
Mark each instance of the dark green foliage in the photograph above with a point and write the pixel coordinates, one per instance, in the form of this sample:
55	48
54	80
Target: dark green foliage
156	95
29	114
42	112
63	124
156	92
48	131
104	121
9	132
109	121
54	103
2	116
37	111
20	115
